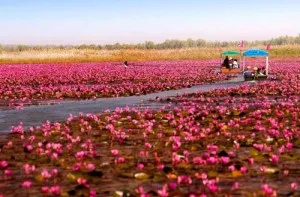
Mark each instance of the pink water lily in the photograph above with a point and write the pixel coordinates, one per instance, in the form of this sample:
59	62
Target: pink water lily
3	164
115	152
268	190
26	184
33	82
163	192
199	144
294	186
274	159
55	190
45	174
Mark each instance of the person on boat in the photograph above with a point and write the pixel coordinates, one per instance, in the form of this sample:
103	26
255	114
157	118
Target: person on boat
226	62
248	72
230	63
259	72
125	64
255	71
235	63
263	70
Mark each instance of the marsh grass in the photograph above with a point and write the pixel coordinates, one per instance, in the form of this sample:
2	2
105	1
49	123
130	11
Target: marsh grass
93	55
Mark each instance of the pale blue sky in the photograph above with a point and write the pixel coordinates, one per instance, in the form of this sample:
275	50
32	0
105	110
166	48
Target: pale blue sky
133	21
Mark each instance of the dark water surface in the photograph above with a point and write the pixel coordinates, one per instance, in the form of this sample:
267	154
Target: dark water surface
36	115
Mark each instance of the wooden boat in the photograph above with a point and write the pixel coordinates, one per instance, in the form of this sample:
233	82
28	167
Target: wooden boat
255	53
230	53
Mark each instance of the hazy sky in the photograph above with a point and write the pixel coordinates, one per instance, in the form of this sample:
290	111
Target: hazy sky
132	21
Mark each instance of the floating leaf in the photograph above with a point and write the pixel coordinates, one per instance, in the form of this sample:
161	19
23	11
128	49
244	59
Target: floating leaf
271	170
124	193
71	177
172	176
236	173
253	152
141	175
39	178
212	174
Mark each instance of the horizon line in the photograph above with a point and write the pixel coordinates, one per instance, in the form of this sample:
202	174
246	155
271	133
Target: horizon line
155	42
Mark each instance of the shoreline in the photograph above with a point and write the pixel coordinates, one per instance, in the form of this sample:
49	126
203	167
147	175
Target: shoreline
88	55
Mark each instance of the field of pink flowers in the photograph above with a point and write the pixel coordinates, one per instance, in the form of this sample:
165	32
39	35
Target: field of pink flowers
241	141
32	83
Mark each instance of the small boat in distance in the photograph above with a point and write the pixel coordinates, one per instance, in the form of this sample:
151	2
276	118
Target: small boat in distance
230	65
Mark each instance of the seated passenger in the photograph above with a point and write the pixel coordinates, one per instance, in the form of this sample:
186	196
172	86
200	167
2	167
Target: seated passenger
248	74
260	72
255	71
235	63
263	70
230	63
125	64
226	62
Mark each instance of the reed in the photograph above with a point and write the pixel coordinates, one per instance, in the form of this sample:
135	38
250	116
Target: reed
94	55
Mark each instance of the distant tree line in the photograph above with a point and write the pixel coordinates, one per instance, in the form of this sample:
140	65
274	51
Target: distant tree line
168	44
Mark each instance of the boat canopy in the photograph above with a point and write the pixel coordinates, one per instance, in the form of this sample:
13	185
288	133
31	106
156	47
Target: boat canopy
230	53
255	53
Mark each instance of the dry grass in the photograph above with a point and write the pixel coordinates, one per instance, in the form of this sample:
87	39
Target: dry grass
89	55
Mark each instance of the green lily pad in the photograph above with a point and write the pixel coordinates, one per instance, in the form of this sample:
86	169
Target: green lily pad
141	176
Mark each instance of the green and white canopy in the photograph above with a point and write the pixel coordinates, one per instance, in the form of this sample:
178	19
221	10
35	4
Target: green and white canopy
230	53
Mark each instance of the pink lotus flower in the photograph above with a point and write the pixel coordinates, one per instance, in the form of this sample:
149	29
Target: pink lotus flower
197	160
251	160
45	189
224	160
81	181
28	168
213	188
114	152
172	185
26	184
201	195
259	147
77	167
294	186
140	166
9	144
92	193
231	168
244	169
235	186
54	172
7	172
163	192
45	174
212	148
160	167
184	179
274	159
140	190
90	167
263	169
268	190
3	164
55	190
148	145
289	146
231	154
212	160
119	160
